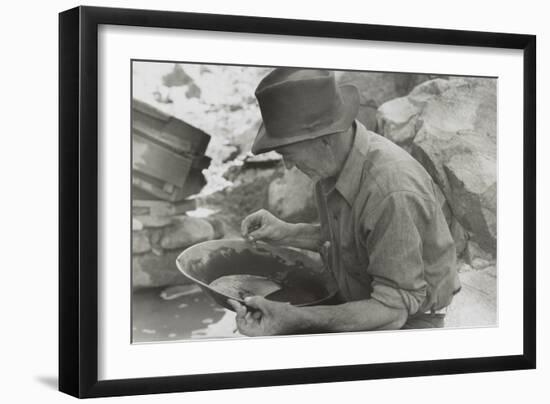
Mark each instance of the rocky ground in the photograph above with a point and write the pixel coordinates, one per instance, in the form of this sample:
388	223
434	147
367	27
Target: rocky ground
447	123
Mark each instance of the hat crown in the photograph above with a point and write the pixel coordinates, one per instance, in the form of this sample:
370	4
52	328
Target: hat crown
298	100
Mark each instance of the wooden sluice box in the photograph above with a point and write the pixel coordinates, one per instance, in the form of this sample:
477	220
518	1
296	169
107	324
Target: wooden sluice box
167	155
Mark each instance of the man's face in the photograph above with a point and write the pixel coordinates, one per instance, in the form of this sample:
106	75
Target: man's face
312	157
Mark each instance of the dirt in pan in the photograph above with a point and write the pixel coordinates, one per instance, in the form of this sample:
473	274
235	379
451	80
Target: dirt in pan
241	286
240	274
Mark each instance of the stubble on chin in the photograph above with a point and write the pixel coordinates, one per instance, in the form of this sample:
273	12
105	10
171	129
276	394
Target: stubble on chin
312	176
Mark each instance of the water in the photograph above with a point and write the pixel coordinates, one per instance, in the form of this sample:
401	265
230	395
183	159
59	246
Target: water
239	272
183	317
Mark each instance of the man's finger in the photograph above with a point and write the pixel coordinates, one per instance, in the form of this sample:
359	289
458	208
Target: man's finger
254	221
257	315
251	222
259	234
258	303
248	318
239	308
244	226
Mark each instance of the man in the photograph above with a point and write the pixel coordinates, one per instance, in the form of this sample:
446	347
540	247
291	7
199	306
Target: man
382	232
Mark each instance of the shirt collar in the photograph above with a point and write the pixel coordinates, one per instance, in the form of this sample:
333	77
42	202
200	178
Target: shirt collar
349	179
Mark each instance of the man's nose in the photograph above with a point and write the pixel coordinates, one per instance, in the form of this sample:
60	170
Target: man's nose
288	163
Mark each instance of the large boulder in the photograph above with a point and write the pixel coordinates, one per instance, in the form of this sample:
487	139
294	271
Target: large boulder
186	231
140	242
376	88
449	126
450	106
291	197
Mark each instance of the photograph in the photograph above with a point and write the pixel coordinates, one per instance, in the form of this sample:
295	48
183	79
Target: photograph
252	202
274	200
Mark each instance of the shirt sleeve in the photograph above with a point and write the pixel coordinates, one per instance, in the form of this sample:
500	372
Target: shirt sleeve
394	230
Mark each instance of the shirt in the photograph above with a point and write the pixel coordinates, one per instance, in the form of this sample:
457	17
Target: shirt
385	236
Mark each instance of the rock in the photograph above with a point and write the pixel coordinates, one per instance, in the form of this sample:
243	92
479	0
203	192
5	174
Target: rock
249	173
154	221
269	159
250	192
440	197
186	231
479	263
177	77
464	166
475	256
460	235
155	235
476	304
140	242
235	107
449	126
247	193
397	120
136	224
376	88
291	197
174	292
150	270
138	211
162	95
472	196
244	136
157	250
161	208
462	104
218	226
230	152
462	266
193	91
232	173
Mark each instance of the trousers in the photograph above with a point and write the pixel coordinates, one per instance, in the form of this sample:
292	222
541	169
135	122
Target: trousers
425	320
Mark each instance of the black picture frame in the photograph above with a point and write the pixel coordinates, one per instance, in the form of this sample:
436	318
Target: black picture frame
78	200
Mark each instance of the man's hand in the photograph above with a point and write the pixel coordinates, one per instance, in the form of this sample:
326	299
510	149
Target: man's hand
263	226
265	317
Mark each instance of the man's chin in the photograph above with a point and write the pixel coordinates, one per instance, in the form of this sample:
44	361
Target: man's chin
312	177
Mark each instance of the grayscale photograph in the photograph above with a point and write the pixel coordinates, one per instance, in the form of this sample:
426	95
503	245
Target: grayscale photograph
280	200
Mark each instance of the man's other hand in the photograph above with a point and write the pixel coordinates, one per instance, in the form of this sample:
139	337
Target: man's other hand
265	317
264	226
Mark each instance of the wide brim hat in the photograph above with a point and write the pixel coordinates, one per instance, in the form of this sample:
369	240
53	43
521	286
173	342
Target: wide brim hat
302	104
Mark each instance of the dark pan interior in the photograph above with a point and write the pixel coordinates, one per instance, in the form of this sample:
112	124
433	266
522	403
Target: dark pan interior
303	281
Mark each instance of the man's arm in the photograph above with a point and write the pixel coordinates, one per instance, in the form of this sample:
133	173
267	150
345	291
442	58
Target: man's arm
265	317
362	315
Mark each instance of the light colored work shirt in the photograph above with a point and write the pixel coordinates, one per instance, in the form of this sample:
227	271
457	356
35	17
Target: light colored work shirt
384	234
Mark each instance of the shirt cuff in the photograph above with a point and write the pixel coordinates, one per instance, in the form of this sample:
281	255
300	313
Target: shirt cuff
398	298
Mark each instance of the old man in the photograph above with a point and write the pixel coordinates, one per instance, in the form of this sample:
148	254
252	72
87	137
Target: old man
382	232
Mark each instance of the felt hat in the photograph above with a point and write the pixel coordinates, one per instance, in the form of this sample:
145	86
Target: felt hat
302	104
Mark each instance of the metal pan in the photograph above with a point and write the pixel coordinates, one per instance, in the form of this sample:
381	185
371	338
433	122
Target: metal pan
303	279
